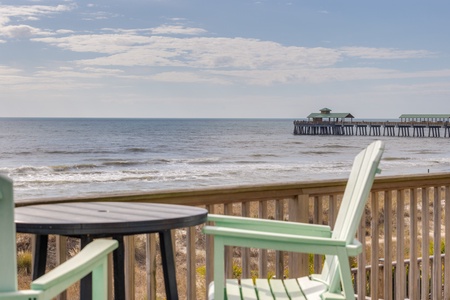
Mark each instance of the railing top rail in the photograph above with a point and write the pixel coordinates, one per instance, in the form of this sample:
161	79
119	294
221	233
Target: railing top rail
230	194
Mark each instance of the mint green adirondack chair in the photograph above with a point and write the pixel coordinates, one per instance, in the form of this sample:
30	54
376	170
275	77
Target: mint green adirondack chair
335	280
92	259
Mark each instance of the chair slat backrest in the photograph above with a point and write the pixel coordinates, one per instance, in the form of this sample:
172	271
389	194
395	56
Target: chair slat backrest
357	190
8	258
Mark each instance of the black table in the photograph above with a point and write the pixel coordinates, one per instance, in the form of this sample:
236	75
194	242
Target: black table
90	220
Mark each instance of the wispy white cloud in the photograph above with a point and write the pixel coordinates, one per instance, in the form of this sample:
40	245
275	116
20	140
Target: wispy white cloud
384	53
177	29
430	89
86	73
9	13
97	43
196	52
188	77
3	20
22	31
64	31
12	76
25	12
230	60
178	53
98	15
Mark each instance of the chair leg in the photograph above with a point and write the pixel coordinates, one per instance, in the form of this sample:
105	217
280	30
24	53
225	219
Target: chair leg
40	256
346	276
219	267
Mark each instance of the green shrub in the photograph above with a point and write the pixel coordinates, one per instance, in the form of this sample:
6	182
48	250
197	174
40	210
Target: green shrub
24	260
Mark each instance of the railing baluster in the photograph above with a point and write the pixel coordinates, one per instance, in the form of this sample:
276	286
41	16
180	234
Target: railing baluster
191	259
374	280
293	257
245	252
387	245
425	284
413	266
228	210
332	210
318	217
262	259
209	244
360	278
447	243
279	255
437	267
400	276
129	267
303	216
150	265
61	252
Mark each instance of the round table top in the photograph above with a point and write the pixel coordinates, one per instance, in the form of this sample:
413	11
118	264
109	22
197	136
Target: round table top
105	218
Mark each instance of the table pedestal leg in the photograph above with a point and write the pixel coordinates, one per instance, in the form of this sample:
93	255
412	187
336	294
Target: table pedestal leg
168	263
119	269
40	255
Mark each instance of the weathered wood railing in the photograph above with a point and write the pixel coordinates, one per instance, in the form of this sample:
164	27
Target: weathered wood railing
406	219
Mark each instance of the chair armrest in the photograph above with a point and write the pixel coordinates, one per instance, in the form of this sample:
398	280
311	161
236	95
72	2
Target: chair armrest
95	254
275	241
355	248
273	226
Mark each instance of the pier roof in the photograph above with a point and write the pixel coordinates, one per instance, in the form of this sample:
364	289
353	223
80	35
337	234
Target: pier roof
331	115
425	116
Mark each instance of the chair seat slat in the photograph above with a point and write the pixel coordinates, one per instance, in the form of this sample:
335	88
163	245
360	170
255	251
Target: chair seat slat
313	289
278	290
293	289
263	288
248	289
233	289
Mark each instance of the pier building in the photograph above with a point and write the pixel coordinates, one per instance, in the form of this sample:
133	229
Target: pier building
409	125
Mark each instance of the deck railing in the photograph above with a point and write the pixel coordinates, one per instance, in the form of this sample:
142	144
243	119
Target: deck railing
405	220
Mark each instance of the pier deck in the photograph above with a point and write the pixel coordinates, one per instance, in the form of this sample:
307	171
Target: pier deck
363	128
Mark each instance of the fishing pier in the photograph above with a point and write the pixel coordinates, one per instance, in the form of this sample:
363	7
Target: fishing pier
417	125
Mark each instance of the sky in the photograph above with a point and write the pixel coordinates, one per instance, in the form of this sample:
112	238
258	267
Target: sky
223	59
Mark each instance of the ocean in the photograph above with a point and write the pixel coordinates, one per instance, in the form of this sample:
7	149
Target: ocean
55	157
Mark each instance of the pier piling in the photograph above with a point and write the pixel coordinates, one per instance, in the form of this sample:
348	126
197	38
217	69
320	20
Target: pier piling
360	128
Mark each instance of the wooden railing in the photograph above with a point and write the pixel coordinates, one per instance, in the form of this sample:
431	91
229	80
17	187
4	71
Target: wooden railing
405	219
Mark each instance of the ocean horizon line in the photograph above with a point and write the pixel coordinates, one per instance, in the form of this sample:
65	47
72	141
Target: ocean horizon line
173	118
